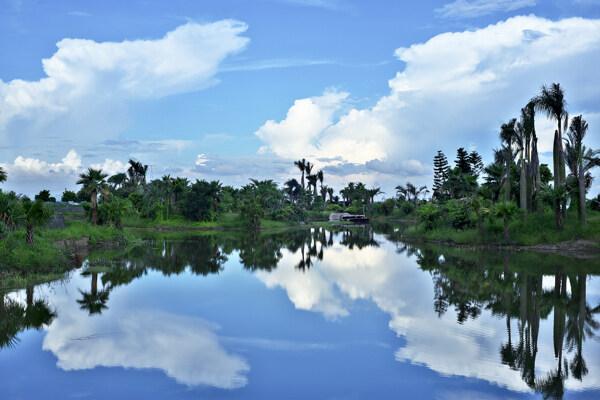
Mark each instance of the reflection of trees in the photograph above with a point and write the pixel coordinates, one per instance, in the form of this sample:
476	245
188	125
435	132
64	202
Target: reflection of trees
512	288
94	301
14	317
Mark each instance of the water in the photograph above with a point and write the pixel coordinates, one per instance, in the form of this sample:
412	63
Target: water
348	313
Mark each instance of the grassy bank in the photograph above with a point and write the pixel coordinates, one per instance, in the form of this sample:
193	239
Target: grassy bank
21	264
223	221
539	229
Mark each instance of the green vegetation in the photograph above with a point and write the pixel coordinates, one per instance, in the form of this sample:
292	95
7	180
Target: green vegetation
513	184
538	229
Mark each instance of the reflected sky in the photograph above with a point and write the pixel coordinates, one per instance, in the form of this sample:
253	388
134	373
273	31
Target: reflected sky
341	315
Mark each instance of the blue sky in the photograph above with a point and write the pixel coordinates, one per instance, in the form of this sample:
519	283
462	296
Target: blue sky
231	90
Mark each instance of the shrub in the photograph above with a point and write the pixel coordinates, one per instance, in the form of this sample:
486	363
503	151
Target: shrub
388	206
459	214
595	203
428	214
333	208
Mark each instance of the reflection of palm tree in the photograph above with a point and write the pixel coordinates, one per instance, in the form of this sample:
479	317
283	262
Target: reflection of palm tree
94	301
14	318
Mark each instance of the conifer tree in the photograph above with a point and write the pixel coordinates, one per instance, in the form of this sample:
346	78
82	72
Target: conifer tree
475	162
463	161
440	172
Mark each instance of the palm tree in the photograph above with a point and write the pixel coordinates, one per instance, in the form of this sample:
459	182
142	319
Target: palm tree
556	196
493	180
580	160
312	181
309	167
137	172
116	208
507	137
215	192
292	189
324	193
36	214
301	164
330	192
320	178
506	210
551	101
374	192
117	180
93	181
3	175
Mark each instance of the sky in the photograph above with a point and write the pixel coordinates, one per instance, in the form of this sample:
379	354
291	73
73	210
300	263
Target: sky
237	89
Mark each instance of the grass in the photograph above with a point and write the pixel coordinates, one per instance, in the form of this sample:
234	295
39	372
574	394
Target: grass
79	229
537	230
21	264
223	221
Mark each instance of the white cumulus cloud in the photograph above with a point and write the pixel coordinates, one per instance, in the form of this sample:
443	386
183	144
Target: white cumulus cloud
456	90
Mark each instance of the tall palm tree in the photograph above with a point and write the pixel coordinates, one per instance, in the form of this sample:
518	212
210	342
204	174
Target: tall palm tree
3	175
320	177
312	181
309	167
215	192
507	137
324	193
137	172
301	164
117	180
93	181
36	214
292	190
374	192
330	192
574	147
551	101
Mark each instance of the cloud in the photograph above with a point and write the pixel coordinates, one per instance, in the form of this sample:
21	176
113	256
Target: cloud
88	84
478	8
456	89
111	167
273	63
33	168
185	348
309	130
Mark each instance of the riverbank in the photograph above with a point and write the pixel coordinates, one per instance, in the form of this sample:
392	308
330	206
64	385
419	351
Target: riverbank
55	252
539	233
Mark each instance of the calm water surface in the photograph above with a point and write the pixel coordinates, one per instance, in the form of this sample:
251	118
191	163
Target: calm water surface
343	313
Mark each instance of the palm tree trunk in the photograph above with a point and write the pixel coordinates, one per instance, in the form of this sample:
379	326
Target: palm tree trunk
94	201
538	191
582	210
29	236
556	159
523	191
559	216
507	180
302	180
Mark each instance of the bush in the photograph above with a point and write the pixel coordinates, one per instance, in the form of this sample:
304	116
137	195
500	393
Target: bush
317	204
289	213
429	214
595	203
137	200
333	208
459	214
406	208
388	206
